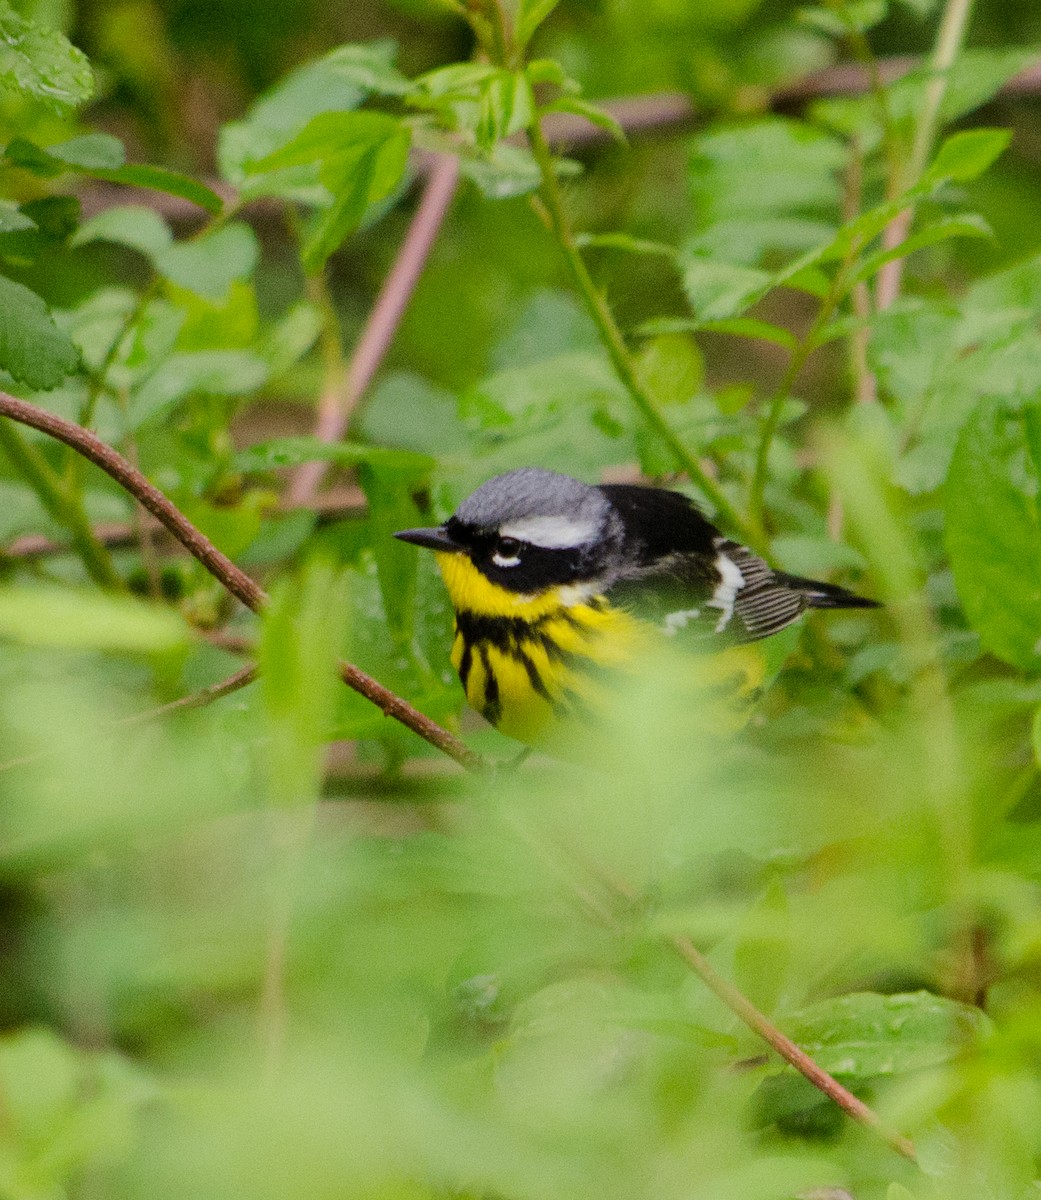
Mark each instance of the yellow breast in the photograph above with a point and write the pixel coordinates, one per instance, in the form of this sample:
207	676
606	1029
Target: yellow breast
537	665
531	662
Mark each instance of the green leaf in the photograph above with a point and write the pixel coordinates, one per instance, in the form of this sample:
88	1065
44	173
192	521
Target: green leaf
993	534
33	349
302	633
101	156
718	291
548	70
965	156
530	16
202	372
42	63
159	179
590	112
91	152
671	367
89	620
292	451
747	327
209	265
367	67
13	219
505	107
361	159
623	241
856	17
968	225
504	172
130	225
864	1035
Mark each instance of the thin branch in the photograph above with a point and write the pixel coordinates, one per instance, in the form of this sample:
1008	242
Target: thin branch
731	996
207	695
62	504
339	401
199	699
746	1011
614	342
220	566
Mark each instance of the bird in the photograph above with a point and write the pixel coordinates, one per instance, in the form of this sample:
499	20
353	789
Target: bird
559	587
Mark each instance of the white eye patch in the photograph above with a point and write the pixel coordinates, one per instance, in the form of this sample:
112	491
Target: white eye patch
550	533
501	560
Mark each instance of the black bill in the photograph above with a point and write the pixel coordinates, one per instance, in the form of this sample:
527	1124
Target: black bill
432	539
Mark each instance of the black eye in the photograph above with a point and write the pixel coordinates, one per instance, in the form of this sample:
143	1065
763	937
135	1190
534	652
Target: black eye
508	547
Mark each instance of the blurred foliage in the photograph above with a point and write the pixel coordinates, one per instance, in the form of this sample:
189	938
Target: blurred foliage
234	963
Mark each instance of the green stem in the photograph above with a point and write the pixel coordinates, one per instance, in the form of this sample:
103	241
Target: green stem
949	39
615	345
775	407
63	506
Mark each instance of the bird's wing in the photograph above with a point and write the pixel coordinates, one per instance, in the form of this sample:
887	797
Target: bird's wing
683	574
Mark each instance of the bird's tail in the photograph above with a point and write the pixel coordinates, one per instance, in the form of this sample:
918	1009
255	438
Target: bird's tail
825	595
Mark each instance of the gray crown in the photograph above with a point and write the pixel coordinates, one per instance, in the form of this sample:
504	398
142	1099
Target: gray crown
533	492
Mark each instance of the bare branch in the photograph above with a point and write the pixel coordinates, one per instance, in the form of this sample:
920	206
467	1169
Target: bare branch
338	403
245	589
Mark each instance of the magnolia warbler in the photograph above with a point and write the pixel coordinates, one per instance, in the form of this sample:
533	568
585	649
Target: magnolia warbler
557	585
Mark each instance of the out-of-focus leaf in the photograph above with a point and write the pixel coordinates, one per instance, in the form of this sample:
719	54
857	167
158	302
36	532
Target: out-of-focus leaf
42	63
842	20
81	620
102	156
967	225
993	533
408	412
590	112
506	171
361	158
33	349
12	219
129	225
68	1111
90	152
966	155
747	327
209	265
338	82
864	1034
302	633
623	241
292	451
160	179
207	372
671	367
530	16
718	291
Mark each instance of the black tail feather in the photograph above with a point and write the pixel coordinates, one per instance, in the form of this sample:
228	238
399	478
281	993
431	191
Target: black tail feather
825	595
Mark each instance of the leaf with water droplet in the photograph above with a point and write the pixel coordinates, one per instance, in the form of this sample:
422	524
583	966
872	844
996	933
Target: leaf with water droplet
42	63
865	1035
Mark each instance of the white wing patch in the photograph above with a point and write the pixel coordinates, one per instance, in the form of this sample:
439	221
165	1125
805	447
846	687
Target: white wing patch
551	533
731	581
675	621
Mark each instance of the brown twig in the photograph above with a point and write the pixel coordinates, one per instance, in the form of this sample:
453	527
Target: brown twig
339	401
199	699
245	589
746	1011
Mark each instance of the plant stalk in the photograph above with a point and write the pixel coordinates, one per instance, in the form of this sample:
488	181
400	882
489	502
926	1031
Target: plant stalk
62	505
614	342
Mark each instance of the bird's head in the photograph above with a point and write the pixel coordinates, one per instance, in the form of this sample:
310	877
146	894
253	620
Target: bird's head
527	532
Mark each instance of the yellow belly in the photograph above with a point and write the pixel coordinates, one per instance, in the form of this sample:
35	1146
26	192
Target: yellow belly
540	666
